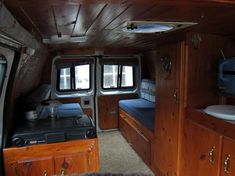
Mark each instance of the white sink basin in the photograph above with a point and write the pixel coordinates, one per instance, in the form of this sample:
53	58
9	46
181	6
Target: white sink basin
226	112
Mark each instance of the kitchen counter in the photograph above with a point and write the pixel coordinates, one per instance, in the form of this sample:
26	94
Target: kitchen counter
226	128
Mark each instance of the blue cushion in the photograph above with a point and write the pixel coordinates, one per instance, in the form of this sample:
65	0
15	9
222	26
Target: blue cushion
141	109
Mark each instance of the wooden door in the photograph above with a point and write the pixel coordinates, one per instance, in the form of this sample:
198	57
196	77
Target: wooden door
168	99
108	109
202	151
228	157
35	167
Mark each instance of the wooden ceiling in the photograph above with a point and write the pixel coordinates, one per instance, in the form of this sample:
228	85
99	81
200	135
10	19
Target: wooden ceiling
100	20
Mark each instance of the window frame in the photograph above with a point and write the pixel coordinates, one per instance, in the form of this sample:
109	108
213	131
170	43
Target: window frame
72	80
119	78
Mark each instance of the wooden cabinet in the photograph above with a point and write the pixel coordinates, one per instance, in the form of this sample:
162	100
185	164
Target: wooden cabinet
206	152
228	157
77	156
202	150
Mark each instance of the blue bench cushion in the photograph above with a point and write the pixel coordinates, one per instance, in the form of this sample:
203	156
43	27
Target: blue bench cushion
140	109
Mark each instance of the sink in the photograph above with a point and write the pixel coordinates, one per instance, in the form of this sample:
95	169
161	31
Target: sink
226	112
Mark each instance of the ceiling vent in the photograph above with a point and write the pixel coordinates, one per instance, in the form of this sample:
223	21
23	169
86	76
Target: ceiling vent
154	26
60	39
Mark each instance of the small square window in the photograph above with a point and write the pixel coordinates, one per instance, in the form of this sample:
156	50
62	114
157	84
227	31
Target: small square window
117	76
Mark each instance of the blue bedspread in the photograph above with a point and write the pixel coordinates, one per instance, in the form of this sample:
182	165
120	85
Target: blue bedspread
141	109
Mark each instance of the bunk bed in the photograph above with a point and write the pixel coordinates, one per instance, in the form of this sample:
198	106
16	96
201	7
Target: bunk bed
136	120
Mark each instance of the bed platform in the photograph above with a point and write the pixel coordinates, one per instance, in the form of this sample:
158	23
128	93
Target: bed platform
136	120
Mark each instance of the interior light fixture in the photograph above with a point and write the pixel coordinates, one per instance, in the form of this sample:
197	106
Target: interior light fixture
60	39
153	26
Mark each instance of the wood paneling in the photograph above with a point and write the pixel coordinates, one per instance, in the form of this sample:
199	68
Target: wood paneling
135	124
137	140
101	20
108	110
226	128
199	142
169	98
78	156
201	74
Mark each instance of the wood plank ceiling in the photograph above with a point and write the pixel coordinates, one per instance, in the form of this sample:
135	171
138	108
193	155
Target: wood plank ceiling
101	20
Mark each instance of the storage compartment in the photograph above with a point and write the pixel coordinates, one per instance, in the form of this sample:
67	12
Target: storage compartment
138	141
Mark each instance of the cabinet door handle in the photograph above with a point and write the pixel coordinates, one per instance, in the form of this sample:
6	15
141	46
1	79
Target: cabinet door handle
45	173
227	164
62	172
211	155
175	96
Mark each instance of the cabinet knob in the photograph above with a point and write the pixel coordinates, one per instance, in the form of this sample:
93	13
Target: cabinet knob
211	155
227	164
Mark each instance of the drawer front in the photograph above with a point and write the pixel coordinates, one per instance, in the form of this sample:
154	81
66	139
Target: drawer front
136	139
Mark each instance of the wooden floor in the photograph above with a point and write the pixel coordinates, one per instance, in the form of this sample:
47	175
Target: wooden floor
116	155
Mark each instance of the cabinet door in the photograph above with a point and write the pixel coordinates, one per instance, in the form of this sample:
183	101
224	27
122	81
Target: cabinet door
69	164
228	157
201	151
35	167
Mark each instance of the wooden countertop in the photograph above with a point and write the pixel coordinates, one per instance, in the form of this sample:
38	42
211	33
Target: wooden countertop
226	128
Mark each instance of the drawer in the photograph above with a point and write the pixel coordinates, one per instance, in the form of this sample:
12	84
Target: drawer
136	139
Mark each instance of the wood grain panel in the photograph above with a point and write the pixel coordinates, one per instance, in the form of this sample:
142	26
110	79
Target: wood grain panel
43	19
101	20
80	156
202	71
110	12
108	110
135	124
66	18
168	121
226	128
87	14
137	141
198	143
37	167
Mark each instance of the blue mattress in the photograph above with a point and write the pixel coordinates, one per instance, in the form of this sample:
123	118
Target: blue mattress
64	110
141	109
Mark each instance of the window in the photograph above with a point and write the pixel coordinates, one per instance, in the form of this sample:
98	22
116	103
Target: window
74	78
82	77
117	76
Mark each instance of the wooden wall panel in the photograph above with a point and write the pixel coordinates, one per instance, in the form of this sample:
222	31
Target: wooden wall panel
108	110
165	148
202	69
